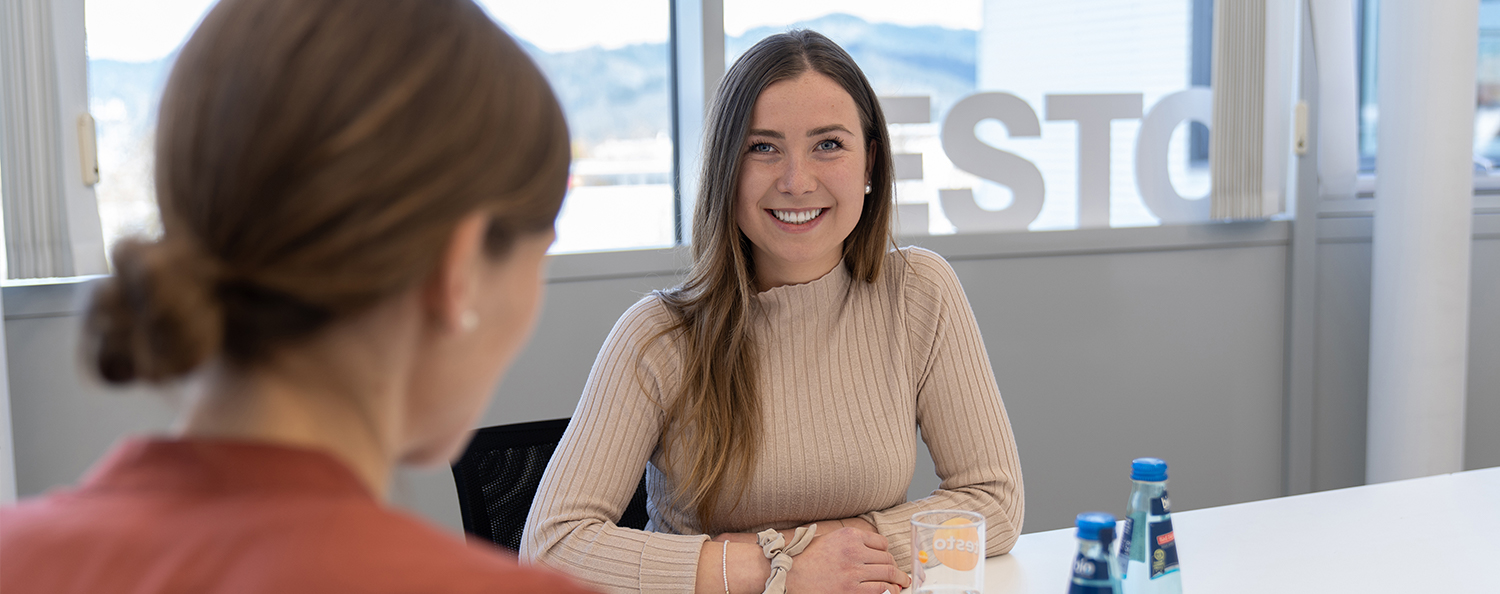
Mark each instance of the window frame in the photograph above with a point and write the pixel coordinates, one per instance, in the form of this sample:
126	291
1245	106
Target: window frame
69	75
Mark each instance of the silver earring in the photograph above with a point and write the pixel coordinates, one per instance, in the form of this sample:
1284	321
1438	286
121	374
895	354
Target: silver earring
468	321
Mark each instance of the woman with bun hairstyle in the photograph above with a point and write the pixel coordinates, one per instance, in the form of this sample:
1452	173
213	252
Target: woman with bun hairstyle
782	384
356	198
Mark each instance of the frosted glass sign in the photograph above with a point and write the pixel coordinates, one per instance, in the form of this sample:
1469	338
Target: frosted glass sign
1094	116
1064	114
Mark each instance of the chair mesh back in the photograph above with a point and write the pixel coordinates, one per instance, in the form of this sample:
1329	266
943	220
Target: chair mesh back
498	475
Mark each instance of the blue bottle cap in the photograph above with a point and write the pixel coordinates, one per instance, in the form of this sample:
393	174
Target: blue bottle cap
1090	523
1148	469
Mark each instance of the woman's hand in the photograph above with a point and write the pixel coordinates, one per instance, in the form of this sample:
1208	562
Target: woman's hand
846	560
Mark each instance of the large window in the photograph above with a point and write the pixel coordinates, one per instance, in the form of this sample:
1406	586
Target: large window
610	64
4	263
131	45
1487	86
948	51
610	71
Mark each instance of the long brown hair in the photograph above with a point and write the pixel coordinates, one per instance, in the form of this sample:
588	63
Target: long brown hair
715	422
312	158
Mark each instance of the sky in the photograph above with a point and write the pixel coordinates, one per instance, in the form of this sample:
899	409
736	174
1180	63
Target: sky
743	15
145	30
139	30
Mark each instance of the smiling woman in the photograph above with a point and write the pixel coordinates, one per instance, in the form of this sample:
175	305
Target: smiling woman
782	385
803	180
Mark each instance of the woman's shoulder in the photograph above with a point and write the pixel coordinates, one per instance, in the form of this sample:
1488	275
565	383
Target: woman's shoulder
427	558
650	309
648	317
297	542
645	333
357	542
922	261
921	270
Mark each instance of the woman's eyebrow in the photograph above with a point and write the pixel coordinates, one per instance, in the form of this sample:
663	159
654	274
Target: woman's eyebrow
768	134
827	129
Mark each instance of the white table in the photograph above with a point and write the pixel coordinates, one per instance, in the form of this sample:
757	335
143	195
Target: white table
1433	534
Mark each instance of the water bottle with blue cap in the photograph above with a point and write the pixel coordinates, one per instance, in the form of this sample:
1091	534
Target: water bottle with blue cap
1148	546
1094	570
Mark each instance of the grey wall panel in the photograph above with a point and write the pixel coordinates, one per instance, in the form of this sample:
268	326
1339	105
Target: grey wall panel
1482	435
63	419
1102	358
1343	318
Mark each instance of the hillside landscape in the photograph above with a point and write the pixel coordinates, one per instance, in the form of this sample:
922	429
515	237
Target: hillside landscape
622	93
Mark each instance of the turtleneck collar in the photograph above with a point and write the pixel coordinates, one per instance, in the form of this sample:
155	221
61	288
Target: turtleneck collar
809	298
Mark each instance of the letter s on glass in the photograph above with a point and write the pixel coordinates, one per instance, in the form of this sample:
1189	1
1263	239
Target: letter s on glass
972	155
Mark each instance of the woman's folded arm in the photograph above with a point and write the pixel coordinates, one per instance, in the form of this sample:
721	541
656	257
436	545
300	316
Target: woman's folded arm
961	415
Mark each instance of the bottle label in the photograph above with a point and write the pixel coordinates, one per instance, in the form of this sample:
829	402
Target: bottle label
1163	546
1161	506
1126	536
1090	576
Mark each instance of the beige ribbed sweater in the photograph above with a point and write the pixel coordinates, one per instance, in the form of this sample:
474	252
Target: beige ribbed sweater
848	372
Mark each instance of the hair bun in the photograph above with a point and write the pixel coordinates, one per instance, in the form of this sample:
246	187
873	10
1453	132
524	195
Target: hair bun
157	318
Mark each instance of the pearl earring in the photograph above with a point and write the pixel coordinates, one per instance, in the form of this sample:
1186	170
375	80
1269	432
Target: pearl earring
868	189
468	321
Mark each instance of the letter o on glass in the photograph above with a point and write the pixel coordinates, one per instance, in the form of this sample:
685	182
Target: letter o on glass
1151	176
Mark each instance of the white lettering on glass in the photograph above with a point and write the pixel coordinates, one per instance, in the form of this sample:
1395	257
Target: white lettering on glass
1094	114
1002	167
1151	177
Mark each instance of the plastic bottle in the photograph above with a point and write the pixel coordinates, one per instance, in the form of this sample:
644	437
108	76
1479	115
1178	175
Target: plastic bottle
1094	568
1148	546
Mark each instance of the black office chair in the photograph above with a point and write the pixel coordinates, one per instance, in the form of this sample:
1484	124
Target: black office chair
498	475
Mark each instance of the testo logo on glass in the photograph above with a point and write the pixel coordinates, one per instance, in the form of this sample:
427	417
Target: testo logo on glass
958	548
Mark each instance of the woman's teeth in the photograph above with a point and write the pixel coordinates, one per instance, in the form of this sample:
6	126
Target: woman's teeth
796	217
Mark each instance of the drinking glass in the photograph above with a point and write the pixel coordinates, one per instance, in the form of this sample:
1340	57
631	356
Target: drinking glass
947	552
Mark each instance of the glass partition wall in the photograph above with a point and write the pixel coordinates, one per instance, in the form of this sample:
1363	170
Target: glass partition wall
988	98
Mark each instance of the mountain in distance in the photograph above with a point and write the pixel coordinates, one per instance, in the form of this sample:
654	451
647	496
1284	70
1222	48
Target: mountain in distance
623	93
899	60
610	93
